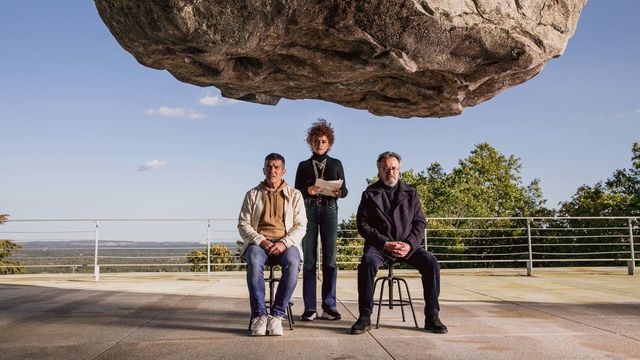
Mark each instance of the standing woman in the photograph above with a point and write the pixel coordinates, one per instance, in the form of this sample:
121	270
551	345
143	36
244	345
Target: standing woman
322	215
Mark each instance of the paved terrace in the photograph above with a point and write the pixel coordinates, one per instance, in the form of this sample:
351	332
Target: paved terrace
579	313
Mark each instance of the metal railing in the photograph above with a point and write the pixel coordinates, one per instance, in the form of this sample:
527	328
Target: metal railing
117	245
529	240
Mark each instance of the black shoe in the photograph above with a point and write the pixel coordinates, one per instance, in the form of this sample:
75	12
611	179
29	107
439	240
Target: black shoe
309	315
331	314
433	324
363	324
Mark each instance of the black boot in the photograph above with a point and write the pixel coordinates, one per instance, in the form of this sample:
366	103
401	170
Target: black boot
433	324
363	324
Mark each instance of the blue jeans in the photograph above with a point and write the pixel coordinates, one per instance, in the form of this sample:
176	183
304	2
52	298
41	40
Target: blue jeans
257	258
324	219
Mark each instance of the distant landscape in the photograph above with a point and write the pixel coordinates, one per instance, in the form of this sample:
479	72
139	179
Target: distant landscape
114	256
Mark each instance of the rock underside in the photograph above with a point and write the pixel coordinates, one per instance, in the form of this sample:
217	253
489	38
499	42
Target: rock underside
404	58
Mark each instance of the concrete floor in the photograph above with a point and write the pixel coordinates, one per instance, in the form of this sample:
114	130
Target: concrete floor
575	313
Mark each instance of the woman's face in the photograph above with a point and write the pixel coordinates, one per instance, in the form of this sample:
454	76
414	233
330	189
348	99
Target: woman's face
320	145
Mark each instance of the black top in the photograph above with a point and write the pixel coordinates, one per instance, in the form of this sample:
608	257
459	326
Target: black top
306	176
389	200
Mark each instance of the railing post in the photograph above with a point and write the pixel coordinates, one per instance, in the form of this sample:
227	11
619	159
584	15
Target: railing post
96	267
632	263
530	262
426	247
209	248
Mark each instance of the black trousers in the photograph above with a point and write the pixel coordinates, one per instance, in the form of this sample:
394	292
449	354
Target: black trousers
423	261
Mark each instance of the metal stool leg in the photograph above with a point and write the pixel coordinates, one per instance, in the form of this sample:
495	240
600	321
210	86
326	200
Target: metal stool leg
291	312
380	302
375	285
390	282
400	295
272	281
290	316
410	301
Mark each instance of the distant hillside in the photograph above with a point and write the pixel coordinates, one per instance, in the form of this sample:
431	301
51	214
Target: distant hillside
120	244
113	256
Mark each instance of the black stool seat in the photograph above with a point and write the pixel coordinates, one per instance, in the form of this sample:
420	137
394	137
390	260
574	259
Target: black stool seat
272	280
390	301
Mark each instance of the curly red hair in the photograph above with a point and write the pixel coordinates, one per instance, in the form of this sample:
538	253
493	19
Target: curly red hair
320	128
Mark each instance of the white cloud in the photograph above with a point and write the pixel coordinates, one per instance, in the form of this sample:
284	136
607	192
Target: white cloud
216	100
175	113
152	165
627	114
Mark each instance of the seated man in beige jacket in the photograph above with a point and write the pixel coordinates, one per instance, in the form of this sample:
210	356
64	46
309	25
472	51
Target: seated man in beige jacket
272	223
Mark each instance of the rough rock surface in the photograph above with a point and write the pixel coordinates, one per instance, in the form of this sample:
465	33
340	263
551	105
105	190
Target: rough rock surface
402	58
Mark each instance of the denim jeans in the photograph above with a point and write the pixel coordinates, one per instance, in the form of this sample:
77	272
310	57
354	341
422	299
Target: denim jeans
325	220
422	260
257	258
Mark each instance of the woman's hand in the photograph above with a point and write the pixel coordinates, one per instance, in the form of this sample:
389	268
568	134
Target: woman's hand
337	193
313	190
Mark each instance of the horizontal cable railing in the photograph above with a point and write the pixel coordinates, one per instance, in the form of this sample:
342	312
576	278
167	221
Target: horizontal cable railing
209	245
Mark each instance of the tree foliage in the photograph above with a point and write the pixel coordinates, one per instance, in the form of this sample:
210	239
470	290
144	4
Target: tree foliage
6	248
220	257
485	184
618	195
349	244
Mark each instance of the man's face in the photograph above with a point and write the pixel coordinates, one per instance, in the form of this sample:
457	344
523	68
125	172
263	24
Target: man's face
274	171
389	171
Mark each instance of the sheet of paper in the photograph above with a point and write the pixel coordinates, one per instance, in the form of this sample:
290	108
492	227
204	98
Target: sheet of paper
327	187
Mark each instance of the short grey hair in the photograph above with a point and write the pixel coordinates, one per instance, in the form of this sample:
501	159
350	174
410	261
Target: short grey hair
388	154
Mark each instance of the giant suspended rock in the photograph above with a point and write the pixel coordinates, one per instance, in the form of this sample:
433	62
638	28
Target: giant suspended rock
424	58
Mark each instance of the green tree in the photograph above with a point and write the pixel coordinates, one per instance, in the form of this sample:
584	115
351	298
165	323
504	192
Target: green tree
349	244
617	196
220	256
485	184
6	248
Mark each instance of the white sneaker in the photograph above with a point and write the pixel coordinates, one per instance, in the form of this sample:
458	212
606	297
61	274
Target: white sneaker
274	326
259	326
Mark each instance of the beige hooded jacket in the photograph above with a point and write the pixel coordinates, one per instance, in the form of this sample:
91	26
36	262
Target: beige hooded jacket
295	217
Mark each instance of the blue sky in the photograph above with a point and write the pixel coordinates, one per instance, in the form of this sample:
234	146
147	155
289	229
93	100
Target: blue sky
79	119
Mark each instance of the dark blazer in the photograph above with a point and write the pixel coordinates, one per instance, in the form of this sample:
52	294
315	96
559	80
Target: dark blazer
406	224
